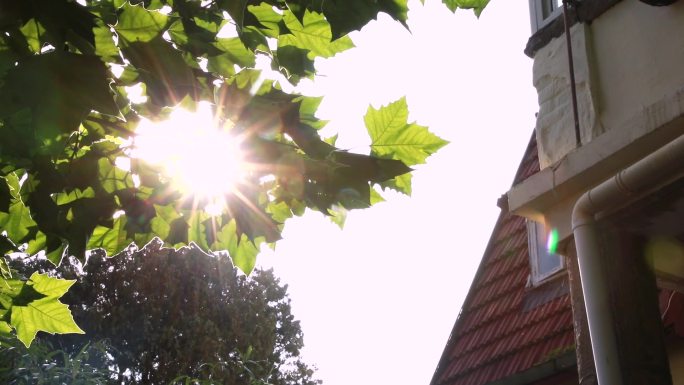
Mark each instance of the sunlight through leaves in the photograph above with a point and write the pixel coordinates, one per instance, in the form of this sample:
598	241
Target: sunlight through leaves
196	151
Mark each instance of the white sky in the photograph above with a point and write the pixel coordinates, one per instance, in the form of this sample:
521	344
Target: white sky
378	299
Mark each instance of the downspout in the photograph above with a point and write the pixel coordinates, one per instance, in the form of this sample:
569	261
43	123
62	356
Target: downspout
571	70
654	171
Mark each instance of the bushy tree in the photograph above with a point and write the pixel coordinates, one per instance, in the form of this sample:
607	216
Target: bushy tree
169	314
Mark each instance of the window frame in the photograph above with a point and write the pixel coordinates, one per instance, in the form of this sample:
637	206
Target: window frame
536	277
537	18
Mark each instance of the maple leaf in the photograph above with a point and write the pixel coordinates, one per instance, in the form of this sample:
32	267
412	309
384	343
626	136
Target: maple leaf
46	313
393	137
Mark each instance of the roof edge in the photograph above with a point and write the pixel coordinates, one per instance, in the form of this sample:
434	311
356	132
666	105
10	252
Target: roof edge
478	273
480	267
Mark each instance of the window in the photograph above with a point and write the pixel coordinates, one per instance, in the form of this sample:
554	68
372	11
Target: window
544	263
543	11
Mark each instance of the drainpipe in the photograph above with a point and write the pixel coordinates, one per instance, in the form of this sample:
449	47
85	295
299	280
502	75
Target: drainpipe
650	173
571	70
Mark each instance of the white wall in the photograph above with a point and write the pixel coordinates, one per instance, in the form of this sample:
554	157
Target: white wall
629	69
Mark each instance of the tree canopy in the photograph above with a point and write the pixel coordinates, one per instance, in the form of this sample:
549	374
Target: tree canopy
67	115
168	314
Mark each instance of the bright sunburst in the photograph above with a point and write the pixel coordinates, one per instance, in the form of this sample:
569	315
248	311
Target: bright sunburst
199	155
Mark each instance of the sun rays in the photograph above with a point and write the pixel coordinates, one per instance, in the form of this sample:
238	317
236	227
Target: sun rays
196	152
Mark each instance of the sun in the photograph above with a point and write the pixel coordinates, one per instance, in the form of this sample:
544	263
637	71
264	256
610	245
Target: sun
197	153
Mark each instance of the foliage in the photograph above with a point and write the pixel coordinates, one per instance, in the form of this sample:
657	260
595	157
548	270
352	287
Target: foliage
66	70
184	315
42	364
476	5
33	305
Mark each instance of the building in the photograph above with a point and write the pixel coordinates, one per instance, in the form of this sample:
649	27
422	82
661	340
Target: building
609	194
514	325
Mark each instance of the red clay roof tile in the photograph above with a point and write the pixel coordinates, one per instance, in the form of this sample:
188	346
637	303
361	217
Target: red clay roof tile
494	336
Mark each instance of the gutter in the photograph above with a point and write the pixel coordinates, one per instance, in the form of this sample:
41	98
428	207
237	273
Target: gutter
650	173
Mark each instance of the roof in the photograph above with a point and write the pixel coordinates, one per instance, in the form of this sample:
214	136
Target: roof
506	327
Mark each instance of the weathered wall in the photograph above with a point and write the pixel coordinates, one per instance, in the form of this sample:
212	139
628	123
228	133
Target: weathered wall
555	123
629	69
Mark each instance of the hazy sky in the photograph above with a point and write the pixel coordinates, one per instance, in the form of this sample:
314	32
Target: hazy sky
377	300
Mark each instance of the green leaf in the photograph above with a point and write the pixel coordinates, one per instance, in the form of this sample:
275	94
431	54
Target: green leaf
55	255
105	47
54	248
5	270
5	314
375	196
244	254
37	244
279	211
161	223
65	198
112	177
111	239
17	221
295	61
51	287
242	251
313	34
57	90
236	10
401	183
138	24
5	329
207	23
476	5
267	17
226	237
46	314
235	53
10	289
352	15
197	231
308	106
13	184
168	81
338	215
34	31
65	21
393	137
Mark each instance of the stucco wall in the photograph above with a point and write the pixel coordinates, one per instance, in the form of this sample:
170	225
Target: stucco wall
629	69
555	123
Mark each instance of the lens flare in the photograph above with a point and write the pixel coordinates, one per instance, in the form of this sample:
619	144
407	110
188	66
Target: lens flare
552	241
200	157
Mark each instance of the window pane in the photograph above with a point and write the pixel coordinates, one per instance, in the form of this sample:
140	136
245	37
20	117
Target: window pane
546	262
543	264
547	7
